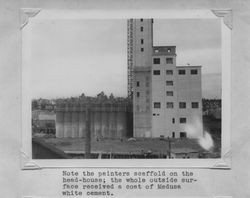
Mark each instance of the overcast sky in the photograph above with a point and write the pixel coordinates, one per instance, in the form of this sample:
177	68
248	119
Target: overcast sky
70	57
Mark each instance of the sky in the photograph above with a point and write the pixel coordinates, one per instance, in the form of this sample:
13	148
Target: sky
71	57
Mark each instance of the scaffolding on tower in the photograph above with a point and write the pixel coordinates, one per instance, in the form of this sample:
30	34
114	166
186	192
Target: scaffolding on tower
130	45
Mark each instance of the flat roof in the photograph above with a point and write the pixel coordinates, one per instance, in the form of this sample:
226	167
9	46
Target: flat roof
187	66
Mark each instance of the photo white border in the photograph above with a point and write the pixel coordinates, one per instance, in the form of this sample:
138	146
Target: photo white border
29	15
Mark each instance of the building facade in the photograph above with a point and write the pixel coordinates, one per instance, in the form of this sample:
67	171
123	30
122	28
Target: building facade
167	99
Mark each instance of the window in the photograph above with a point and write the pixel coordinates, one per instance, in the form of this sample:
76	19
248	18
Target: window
170	105
147	84
182	105
169	72
138	94
169	83
194	71
142	49
156	60
169	60
183	120
147	92
156	72
138	83
141	29
195	105
141	20
183	134
170	93
182	72
142	41
169	50
157	105
173	120
173	134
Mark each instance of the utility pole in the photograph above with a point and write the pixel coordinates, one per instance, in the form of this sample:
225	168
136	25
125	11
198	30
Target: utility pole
169	147
88	132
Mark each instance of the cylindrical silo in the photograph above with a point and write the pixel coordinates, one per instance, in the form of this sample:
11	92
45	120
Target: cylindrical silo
74	122
59	124
82	122
97	121
105	121
67	122
112	122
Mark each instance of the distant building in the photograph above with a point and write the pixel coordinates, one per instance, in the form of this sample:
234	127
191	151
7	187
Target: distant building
166	97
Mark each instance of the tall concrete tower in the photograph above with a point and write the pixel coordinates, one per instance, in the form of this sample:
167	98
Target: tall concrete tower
140	43
140	49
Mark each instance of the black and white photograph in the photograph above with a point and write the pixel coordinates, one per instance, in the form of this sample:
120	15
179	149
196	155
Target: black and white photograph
118	98
136	88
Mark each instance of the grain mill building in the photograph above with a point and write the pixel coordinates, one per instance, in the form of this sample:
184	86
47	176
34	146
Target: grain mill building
166	98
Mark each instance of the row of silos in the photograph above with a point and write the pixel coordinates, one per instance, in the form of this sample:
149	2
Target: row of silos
110	121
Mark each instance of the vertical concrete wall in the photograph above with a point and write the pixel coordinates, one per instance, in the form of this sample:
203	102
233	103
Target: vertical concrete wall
108	122
142	102
67	124
59	124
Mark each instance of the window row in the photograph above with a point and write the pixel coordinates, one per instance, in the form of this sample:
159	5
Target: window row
182	105
182	120
180	72
157	61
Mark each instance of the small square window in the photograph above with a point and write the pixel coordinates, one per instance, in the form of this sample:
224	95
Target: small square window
157	105
141	29
170	93
169	60
169	83
182	71
156	72
195	105
156	60
169	72
138	83
169	50
170	105
142	41
182	105
141	20
138	94
194	71
183	120
142	49
183	134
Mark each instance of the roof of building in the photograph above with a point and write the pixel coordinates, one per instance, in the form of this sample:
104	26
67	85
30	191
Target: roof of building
164	50
188	66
